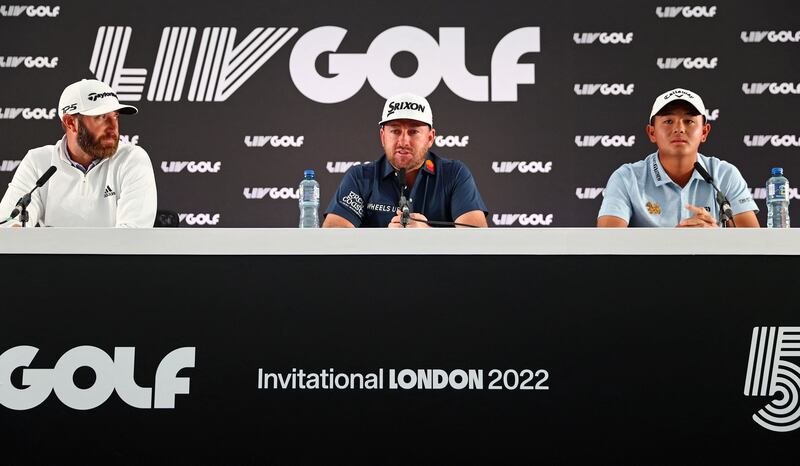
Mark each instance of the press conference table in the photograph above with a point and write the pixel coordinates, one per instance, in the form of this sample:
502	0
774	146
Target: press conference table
441	345
433	241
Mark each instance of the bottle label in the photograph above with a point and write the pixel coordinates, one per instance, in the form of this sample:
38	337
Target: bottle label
309	195
778	191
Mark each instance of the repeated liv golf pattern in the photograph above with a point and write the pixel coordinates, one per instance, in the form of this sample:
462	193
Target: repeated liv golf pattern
769	374
206	77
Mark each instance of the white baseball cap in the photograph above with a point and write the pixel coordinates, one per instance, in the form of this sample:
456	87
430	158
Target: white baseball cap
91	97
684	95
407	106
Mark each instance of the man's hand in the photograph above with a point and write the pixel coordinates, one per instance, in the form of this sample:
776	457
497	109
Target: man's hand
701	219
412	223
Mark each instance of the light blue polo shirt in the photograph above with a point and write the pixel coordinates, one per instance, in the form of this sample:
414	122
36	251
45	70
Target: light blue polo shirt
643	194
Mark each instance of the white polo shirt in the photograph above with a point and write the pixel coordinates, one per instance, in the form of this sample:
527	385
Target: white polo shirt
643	194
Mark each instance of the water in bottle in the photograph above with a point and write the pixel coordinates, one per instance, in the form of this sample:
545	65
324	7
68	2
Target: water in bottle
777	200
309	201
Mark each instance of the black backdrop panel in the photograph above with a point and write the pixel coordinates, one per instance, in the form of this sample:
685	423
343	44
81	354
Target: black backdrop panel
596	68
642	369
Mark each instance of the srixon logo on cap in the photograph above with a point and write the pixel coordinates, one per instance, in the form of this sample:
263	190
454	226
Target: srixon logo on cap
395	106
94	96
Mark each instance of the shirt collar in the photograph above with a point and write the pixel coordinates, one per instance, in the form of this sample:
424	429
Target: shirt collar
388	169
65	156
657	170
429	166
660	175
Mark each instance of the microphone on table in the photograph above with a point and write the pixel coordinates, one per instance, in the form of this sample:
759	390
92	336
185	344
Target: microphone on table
25	200
405	207
725	212
405	210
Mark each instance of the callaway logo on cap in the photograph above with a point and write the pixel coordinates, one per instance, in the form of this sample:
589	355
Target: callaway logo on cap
91	97
407	106
678	94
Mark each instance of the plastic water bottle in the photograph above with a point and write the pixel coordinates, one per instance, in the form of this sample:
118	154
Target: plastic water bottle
309	201
777	200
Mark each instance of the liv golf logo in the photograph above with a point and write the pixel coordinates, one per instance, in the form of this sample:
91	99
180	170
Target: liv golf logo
769	374
222	63
111	375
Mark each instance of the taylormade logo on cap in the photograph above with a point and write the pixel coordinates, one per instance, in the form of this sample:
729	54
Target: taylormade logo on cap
679	94
407	106
94	96
91	97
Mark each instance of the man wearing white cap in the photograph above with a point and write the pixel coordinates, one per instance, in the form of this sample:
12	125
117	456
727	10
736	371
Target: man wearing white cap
438	190
98	181
665	189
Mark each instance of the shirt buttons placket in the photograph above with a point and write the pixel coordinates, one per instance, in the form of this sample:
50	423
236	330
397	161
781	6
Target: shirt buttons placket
684	200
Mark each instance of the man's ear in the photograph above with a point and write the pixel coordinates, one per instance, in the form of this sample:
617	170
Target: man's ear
706	130
69	123
651	132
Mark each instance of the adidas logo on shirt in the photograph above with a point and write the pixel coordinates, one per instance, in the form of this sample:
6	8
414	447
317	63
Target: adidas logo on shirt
109	192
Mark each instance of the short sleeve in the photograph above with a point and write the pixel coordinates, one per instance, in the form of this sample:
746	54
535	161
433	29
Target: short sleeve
737	192
466	197
616	197
348	201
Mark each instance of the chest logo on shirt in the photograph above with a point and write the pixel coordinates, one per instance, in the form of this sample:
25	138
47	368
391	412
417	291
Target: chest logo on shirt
381	207
429	165
109	192
653	208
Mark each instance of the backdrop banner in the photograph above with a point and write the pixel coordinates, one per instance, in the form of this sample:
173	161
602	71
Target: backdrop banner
543	100
491	360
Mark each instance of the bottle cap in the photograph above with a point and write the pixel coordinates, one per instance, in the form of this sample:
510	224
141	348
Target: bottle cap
308	174
777	171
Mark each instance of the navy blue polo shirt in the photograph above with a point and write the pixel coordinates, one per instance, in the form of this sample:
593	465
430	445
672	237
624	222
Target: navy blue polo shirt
369	194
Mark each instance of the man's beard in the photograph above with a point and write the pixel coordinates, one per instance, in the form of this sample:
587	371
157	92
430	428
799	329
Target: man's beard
93	146
416	159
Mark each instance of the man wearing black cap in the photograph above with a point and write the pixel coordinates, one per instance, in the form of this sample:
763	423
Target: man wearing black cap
665	189
437	189
98	182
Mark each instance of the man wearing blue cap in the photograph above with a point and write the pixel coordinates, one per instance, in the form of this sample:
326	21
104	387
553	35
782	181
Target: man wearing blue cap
665	189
